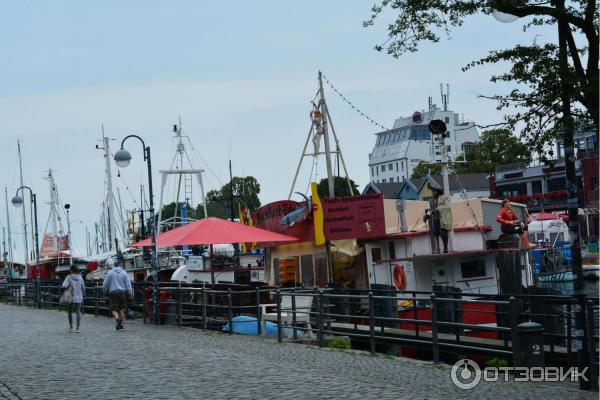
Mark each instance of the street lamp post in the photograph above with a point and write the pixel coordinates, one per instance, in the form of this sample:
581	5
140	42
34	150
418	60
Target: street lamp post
570	174
17	201
67	207
123	158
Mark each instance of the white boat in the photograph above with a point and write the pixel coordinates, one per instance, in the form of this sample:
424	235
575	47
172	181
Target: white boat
591	271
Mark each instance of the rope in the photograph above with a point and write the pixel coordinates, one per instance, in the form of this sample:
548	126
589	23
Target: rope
464	195
362	114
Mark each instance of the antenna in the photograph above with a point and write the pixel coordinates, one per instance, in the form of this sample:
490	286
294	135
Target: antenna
447	94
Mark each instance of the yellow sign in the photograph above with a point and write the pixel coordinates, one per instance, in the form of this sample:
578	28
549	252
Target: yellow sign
317	208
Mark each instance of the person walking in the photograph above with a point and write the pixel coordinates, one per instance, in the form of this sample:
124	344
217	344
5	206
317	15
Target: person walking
118	286
77	285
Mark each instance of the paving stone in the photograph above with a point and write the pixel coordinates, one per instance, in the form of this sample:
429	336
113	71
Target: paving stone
40	359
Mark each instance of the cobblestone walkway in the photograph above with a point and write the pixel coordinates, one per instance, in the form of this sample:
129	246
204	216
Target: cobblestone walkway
39	359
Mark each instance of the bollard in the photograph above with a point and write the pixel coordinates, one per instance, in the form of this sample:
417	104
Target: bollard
435	349
513	320
371	323
258	314
592	373
529	352
230	311
278	302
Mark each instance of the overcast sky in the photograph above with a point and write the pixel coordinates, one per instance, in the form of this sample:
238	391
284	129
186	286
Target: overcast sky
240	73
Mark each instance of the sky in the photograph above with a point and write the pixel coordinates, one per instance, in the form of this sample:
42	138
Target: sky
241	74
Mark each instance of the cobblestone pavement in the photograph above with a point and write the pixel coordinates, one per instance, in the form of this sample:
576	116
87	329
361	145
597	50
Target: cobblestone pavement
39	359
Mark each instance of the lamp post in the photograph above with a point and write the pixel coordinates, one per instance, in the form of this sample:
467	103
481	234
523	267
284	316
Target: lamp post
123	158
67	207
570	174
17	201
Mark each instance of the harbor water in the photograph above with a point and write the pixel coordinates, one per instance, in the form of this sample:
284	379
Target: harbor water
591	288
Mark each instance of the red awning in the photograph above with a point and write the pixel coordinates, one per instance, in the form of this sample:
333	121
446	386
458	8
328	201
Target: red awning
213	230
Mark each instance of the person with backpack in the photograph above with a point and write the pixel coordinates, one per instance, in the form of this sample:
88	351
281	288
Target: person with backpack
117	285
74	282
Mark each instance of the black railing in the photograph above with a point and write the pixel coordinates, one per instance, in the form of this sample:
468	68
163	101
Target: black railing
436	325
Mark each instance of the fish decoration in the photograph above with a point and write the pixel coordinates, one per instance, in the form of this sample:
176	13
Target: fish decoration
298	215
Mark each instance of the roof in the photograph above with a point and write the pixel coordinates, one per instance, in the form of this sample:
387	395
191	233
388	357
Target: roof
389	190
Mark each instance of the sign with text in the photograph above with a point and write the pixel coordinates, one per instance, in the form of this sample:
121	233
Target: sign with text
354	217
52	244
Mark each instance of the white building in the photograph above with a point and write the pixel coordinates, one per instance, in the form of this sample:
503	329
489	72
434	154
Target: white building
398	151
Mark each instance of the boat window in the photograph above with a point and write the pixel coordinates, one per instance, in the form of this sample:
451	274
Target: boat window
392	250
307	270
472	269
553	237
376	254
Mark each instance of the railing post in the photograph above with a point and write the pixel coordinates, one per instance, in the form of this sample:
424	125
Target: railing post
415	313
96	299
204	321
230	310
320	319
278	302
295	331
371	323
179	311
258	314
434	331
513	321
592	372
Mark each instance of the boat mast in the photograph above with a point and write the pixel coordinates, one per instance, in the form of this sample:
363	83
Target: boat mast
323	105
10	254
25	238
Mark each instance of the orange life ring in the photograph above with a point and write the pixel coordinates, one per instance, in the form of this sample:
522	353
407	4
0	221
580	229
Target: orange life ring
399	277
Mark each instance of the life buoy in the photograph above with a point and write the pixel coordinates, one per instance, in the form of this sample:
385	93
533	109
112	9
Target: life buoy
399	277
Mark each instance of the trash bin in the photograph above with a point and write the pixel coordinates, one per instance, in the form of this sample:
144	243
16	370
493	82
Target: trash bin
528	351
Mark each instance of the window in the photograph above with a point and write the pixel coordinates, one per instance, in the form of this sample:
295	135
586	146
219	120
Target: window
472	269
392	250
448	148
306	267
383	168
376	254
397	179
402	165
396	166
556	184
384	180
591	142
377	169
390	167
447	119
372	171
559	237
420	133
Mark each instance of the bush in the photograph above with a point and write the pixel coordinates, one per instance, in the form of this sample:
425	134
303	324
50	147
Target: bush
496	362
337	343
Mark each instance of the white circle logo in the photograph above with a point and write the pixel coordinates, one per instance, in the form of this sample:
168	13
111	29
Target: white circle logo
465	374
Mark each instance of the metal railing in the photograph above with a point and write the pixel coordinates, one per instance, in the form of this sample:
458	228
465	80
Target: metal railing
437	325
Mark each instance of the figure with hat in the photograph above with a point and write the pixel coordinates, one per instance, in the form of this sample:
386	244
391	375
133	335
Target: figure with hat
439	219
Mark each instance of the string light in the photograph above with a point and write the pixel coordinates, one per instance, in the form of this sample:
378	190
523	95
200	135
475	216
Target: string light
355	108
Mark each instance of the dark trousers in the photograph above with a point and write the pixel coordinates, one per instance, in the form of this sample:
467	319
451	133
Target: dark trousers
77	308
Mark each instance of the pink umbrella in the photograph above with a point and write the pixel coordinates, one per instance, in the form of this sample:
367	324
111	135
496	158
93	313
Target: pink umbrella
213	230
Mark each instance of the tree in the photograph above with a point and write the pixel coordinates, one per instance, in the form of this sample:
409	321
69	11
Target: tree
534	67
497	147
340	187
423	168
245	189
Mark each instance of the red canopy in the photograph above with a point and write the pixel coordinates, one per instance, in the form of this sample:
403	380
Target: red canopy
213	230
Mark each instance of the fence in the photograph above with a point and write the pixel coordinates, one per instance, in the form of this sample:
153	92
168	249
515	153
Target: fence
438	326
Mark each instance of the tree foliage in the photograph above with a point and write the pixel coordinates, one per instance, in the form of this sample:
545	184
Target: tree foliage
497	147
423	168
245	190
535	68
340	187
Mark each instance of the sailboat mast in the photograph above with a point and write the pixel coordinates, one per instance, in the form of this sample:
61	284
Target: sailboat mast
25	238
323	104
10	254
110	199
